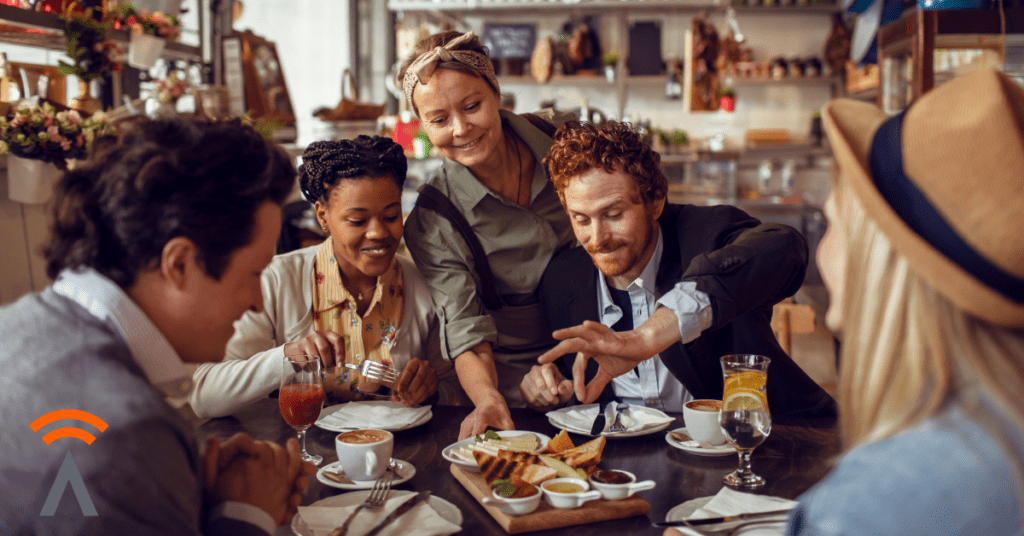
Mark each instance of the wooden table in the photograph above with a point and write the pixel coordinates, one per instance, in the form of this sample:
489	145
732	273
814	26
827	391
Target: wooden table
793	458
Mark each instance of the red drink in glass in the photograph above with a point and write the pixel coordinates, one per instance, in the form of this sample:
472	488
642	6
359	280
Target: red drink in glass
301	403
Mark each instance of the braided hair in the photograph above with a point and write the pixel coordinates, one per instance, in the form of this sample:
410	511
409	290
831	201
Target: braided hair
324	163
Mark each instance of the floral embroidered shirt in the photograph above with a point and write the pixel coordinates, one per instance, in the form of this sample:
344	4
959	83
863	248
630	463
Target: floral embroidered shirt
367	336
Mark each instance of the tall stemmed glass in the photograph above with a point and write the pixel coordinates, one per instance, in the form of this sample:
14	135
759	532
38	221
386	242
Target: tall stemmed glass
745	418
302	396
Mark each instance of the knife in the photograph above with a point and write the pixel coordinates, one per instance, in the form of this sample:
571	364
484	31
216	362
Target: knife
599	421
717	520
402	509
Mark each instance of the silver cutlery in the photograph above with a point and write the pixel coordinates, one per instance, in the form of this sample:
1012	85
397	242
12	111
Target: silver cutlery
696	523
375	371
400	511
378	495
617	426
734	528
682	438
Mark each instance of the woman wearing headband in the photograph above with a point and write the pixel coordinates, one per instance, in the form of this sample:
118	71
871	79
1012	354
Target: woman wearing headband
493	186
924	261
347	299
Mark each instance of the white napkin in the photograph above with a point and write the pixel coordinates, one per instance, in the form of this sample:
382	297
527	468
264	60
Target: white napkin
730	502
422	519
579	419
374	414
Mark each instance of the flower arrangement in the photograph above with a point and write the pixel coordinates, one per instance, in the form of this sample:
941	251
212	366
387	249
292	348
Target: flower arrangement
141	21
92	54
42	133
172	88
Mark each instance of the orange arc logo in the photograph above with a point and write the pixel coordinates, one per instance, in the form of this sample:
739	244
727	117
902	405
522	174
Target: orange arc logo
59	433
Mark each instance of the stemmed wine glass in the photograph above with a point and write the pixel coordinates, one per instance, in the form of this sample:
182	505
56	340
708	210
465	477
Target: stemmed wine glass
302	396
745	418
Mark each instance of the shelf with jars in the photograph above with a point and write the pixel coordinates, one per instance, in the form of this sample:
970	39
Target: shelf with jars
638	44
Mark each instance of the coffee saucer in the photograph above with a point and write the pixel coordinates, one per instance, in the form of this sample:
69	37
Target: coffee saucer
403	472
693	448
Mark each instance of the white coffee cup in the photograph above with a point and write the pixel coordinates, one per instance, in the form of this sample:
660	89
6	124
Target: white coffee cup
364	454
701	417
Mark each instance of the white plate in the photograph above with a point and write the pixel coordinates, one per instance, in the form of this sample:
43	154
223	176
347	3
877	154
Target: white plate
613	435
445	509
645	431
330	410
720	450
685	510
404	472
474	468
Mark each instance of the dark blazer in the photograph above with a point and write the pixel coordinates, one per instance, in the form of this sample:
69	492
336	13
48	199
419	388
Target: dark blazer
744	266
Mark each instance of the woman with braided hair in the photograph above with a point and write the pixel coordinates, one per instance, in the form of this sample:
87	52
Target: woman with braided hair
348	299
485	226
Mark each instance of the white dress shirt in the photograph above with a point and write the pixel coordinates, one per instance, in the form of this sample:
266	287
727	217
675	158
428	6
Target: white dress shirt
151	352
654	385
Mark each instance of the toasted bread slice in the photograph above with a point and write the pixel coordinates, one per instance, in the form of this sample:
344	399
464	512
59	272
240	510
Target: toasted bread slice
535	474
583	456
507	464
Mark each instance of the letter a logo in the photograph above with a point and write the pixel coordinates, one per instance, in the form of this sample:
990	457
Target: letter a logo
68	474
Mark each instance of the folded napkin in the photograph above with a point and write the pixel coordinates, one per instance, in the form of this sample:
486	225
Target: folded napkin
731	502
374	414
579	419
422	519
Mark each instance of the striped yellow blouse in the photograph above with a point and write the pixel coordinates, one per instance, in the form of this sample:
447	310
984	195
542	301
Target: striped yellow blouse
369	336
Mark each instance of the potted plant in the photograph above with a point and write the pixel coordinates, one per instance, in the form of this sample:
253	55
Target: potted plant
610	60
672	142
39	141
727	99
168	91
92	55
148	33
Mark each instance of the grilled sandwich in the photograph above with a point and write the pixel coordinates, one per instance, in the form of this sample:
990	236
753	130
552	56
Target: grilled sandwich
508	464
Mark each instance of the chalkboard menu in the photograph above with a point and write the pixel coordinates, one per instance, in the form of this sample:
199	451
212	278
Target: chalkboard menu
645	49
510	41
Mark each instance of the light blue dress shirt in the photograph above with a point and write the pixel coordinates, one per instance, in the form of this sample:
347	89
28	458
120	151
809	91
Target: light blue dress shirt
654	385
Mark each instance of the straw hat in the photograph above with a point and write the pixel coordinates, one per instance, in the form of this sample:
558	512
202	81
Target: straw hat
945	183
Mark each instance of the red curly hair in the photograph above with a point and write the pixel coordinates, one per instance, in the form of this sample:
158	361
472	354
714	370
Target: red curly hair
611	146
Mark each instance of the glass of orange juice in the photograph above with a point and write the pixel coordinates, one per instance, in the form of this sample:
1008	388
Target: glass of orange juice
745	418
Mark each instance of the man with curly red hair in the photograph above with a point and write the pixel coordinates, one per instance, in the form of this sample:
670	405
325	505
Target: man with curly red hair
657	292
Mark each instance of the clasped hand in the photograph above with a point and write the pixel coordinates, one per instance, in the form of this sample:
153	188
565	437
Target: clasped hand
260	473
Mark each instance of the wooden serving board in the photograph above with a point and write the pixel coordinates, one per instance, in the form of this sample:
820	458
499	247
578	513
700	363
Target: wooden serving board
546	516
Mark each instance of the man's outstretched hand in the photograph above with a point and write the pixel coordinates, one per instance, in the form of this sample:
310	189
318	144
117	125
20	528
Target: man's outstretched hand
616	353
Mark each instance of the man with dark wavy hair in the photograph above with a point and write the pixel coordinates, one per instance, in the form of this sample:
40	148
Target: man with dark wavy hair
157	245
657	293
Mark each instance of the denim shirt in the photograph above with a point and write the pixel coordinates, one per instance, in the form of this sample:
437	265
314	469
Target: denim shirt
945	476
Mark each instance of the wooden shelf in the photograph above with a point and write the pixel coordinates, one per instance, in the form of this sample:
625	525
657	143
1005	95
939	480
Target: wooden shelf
593	5
44	30
787	81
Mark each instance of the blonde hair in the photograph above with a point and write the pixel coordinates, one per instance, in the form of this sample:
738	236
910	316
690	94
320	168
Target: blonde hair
907	350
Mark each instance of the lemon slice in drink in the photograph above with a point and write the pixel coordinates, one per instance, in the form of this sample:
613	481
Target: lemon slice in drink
747	379
748	400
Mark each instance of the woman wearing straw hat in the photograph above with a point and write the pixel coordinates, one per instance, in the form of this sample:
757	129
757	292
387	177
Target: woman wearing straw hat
485	226
924	258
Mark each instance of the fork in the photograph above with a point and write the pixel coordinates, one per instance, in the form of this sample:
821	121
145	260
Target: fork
375	371
378	494
617	426
730	531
